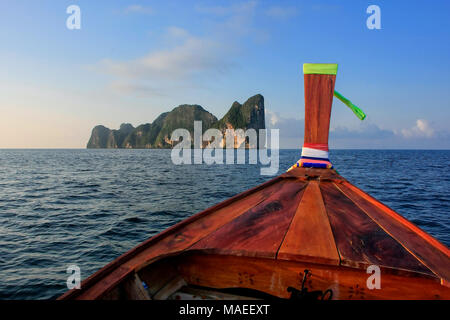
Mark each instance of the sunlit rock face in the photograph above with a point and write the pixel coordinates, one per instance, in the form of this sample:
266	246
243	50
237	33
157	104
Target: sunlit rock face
249	115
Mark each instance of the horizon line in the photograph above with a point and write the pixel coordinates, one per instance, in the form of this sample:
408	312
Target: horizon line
69	148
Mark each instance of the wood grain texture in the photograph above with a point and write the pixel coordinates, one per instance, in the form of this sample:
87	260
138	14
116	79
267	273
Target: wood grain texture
175	239
134	290
259	231
309	237
171	287
319	90
434	255
271	219
159	275
360	241
191	293
307	174
275	276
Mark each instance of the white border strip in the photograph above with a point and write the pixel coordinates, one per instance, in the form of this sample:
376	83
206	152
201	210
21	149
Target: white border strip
315	153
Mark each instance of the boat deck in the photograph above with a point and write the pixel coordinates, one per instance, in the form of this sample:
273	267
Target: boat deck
306	219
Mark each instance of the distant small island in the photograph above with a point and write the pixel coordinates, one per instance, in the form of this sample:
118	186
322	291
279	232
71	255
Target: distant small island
156	135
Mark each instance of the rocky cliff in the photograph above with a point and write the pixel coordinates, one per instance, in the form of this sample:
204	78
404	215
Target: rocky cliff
157	134
249	115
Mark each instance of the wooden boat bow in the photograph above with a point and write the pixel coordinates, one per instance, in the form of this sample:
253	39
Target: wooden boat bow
308	227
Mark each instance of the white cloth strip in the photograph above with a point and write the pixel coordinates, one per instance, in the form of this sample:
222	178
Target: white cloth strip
315	153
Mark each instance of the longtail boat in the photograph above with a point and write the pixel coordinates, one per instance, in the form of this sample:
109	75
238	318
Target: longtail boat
306	234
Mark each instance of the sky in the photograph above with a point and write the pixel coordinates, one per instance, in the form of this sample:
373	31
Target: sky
132	60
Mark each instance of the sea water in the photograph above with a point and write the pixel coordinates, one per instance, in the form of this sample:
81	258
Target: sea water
87	207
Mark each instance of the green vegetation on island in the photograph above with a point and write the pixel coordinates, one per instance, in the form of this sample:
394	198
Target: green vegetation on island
249	115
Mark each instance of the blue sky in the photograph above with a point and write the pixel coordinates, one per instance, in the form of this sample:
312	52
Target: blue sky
132	60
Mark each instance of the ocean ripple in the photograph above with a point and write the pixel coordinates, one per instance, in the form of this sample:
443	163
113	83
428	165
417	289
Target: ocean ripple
87	207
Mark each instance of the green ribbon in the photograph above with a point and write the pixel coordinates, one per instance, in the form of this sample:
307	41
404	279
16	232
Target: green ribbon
357	111
320	68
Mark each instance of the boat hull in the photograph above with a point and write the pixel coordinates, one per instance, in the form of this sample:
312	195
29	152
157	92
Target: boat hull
265	238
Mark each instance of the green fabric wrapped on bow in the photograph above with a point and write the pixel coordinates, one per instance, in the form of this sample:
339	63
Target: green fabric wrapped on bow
357	111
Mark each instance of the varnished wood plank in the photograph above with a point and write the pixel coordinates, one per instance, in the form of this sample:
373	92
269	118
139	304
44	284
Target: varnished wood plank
319	89
359	239
189	293
134	290
259	231
158	275
275	276
428	250
314	174
175	239
309	237
170	288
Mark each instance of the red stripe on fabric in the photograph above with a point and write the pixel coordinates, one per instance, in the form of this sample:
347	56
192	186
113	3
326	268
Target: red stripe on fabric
318	146
314	161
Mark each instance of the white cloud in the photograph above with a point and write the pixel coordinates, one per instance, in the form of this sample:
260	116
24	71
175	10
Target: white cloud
235	20
291	130
367	135
191	57
368	131
177	32
271	117
241	8
136	8
187	60
281	12
421	129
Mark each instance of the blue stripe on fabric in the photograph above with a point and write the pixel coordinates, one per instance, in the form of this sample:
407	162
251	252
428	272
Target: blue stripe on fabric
314	165
313	158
